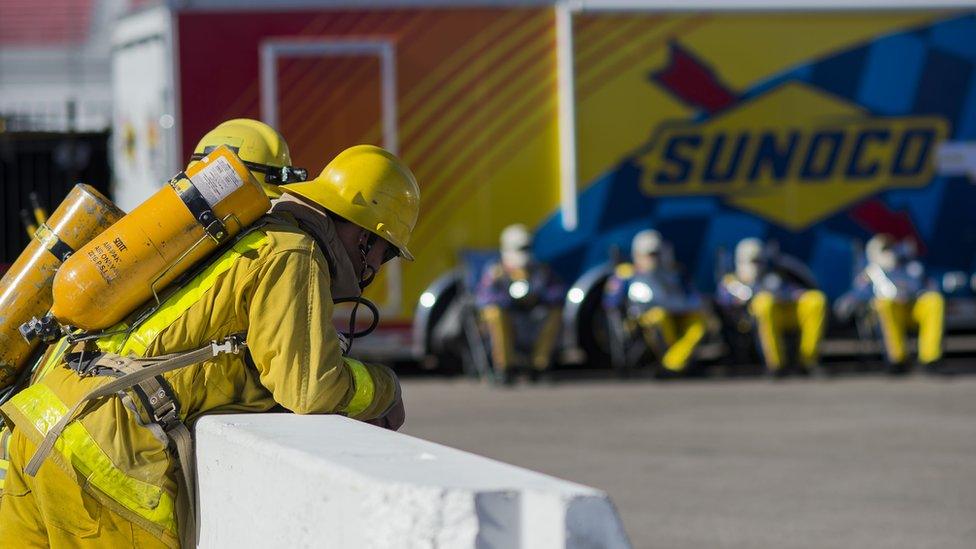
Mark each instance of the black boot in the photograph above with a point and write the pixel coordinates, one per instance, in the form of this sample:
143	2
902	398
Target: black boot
895	369
544	377
505	378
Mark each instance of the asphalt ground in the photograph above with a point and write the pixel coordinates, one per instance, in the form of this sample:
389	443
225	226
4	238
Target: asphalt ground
859	461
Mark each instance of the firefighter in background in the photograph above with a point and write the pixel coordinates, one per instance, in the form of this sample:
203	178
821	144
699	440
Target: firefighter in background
652	297
520	301
903	298
111	479
777	302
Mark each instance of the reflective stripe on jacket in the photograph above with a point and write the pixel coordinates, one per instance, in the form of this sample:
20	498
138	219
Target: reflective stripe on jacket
4	456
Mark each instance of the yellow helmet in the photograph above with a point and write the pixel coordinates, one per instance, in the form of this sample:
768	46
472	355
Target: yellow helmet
262	149
370	187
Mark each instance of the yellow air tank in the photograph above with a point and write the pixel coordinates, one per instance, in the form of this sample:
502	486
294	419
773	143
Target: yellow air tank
160	239
25	290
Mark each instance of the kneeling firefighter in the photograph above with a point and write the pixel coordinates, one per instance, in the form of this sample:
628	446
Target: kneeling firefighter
520	301
778	303
100	469
652	298
902	297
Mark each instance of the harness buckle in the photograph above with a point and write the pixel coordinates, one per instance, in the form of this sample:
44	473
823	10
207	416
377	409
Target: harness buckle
231	344
166	416
84	363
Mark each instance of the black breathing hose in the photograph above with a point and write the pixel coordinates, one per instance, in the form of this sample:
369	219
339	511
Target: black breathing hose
352	333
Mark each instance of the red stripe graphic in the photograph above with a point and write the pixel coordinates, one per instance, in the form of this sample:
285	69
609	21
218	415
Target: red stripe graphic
689	79
875	216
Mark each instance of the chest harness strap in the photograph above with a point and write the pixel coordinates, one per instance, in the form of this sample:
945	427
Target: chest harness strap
141	374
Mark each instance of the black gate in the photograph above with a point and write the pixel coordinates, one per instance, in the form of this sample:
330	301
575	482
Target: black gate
49	164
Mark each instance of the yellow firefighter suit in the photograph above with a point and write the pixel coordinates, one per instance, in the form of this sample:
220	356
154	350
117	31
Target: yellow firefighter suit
680	332
668	313
903	302
807	315
266	154
4	458
274	285
902	297
926	313
512	316
788	308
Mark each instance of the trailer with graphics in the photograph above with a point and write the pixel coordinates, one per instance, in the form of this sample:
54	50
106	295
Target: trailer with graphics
589	121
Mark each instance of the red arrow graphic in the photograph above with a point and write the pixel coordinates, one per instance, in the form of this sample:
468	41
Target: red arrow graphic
694	82
875	216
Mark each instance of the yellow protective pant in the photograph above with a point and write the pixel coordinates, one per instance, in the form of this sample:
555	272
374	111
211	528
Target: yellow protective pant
807	315
681	333
52	510
926	313
499	325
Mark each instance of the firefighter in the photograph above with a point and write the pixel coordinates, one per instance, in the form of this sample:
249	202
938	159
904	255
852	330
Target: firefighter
520	301
777	302
100	472
652	297
263	151
903	298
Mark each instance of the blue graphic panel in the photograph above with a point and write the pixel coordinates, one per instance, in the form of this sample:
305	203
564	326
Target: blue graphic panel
894	65
842	73
966	128
928	71
955	36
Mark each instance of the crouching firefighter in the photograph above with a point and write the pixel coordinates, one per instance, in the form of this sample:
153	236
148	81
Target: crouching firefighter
651	297
902	298
100	453
778	302
520	300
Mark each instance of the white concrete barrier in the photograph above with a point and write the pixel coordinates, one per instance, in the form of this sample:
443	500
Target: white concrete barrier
281	480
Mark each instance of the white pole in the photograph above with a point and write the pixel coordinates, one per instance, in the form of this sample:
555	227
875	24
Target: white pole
269	85
567	114
391	139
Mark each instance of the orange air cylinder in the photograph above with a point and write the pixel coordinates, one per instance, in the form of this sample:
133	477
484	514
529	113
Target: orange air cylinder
159	240
25	290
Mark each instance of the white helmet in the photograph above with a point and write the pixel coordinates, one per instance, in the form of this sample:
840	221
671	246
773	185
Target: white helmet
515	244
646	242
649	246
749	257
880	251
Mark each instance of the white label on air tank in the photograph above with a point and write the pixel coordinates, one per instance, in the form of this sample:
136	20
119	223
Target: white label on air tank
217	180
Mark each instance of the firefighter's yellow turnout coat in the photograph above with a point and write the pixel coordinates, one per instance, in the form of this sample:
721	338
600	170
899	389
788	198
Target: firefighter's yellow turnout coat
276	286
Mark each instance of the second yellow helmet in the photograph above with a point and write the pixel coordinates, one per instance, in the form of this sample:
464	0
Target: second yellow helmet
262	149
370	187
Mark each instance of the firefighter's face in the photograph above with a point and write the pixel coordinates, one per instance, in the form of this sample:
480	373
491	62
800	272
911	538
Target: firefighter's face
355	241
518	258
748	270
887	258
650	261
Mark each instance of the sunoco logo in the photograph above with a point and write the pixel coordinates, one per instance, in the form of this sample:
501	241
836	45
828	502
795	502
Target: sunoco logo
793	155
